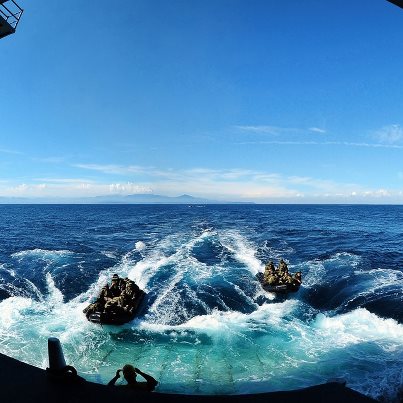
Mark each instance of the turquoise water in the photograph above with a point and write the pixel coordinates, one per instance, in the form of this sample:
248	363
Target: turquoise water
206	325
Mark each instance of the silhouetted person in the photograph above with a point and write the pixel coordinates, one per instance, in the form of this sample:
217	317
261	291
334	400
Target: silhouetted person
130	374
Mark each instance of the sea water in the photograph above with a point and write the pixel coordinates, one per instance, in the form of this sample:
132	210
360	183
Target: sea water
206	325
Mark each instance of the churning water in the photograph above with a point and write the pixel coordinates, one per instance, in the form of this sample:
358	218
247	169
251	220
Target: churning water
206	325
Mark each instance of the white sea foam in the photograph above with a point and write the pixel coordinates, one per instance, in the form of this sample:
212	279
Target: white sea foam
356	333
242	250
268	349
110	255
166	293
25	325
359	326
181	260
34	289
218	322
42	253
319	271
10	310
346	258
314	274
261	293
55	296
299	349
259	348
142	271
184	267
381	278
278	252
10	271
140	246
374	283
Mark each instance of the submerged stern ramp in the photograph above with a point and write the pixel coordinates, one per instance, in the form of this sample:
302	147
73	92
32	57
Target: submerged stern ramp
10	14
20	382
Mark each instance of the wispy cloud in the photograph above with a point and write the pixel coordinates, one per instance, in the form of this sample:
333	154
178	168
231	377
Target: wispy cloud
8	151
170	174
265	187
372	145
69	188
272	130
114	169
50	160
237	182
325	143
389	134
233	184
278	131
63	180
317	130
245	183
129	188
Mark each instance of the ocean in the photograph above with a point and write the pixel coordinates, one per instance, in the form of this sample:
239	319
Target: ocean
206	325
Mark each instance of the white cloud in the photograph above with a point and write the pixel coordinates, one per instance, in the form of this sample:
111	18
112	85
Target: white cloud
114	169
277	131
219	174
51	160
198	174
21	188
72	189
8	151
128	188
63	180
272	130
389	134
324	143
371	145
218	184
317	130
377	193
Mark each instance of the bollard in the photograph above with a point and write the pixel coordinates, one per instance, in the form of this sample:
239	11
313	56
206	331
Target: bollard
57	362
58	370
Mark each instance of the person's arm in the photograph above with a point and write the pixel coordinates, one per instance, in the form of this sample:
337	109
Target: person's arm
151	382
115	378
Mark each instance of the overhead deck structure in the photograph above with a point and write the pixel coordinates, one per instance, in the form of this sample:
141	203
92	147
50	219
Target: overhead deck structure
10	14
397	2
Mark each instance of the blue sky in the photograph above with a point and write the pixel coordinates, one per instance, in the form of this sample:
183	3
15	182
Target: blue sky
266	101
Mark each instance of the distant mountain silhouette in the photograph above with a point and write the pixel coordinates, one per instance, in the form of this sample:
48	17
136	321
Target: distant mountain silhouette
153	198
114	199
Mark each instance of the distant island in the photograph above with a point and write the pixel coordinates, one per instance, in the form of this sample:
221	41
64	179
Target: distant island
145	198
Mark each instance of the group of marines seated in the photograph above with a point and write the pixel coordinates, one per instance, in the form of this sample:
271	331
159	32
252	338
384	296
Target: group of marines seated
280	276
120	296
